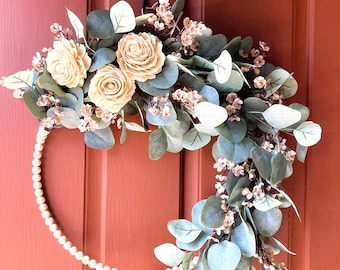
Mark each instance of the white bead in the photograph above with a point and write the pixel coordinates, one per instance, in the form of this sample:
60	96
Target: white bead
37	185
36	162
99	266
67	245
38	192
36	177
93	264
79	255
107	267
53	227
46	214
37	154
36	170
73	250
38	147
49	221
85	260
57	233
40	140
40	200
62	240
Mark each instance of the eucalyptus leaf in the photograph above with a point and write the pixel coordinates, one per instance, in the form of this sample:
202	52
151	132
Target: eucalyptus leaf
254	105
147	88
21	79
167	77
159	120
69	117
224	255
234	131
169	254
79	94
206	130
276	78
210	94
212	215
233	84
268	222
246	44
186	261
30	98
304	113
222	68
285	195
194	140
215	152
280	116
76	24
266	203
281	246
232	180
102	57
301	152
99	24
177	8
262	159
279	165
236	152
308	133
135	127
69	101
122	17
236	195
243	236
194	245
245	263
233	46
100	139
196	213
183	230
211	46
210	115
157	144
45	81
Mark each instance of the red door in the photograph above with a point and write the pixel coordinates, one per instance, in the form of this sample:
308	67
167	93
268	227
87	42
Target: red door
115	204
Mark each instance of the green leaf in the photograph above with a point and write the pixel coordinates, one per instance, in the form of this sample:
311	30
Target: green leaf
102	57
236	195
76	24
45	81
194	245
169	254
234	83
308	133
285	195
143	19
210	115
210	94
196	213
268	222
266	203
183	230
277	78
304	114
69	118
206	130
99	24
21	79
233	46
195	61
222	68
223	256
243	236
288	88
280	116
167	77
245	263
30	98
79	94
281	246
122	17
157	144
262	159
100	139
233	131
279	168
212	215
147	88
254	104
177	8
236	152
211	46
186	261
301	152
135	127
193	139
69	101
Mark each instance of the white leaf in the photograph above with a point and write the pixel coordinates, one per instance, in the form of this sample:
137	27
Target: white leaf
206	130
280	116
21	79
169	254
134	127
308	133
122	17
76	24
223	66
210	115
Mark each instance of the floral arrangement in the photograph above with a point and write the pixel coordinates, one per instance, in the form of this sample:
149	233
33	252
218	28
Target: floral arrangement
188	85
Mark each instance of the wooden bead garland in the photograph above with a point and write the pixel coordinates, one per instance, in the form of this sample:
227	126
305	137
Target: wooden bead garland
47	215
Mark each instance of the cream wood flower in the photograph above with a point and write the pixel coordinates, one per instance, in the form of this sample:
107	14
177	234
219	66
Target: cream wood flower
68	63
111	88
140	55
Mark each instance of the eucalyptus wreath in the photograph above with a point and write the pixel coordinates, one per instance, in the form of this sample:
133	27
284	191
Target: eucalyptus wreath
188	86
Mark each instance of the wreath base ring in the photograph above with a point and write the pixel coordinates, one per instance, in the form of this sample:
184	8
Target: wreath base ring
50	221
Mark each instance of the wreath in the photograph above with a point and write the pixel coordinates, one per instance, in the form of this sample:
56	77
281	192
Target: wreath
188	86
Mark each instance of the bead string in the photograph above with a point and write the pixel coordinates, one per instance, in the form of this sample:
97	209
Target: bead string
44	209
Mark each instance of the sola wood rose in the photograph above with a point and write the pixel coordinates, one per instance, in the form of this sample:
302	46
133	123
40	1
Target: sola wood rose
111	88
140	56
68	63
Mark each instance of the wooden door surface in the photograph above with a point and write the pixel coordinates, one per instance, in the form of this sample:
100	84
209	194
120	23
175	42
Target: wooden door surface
115	204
